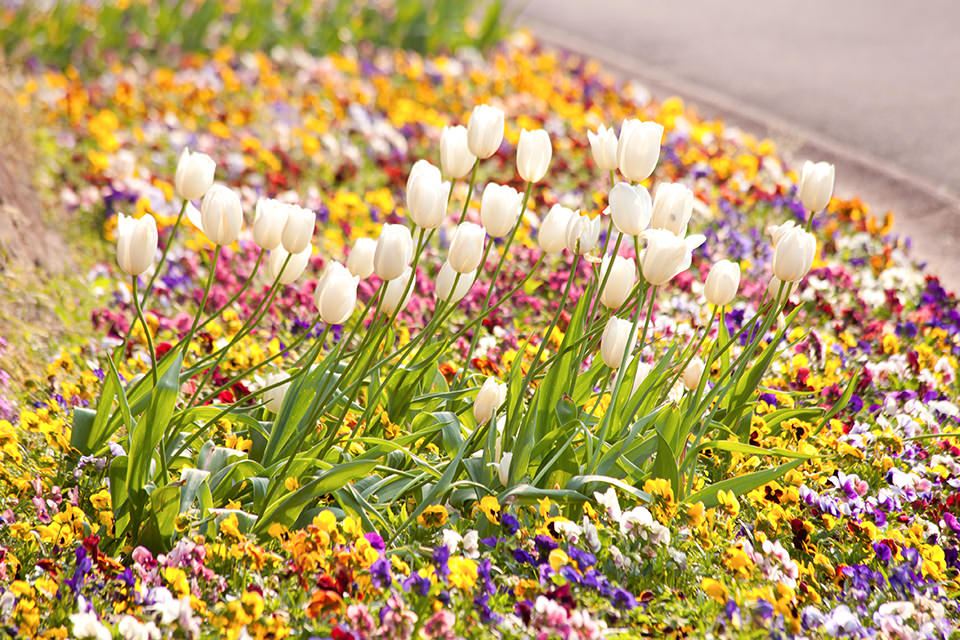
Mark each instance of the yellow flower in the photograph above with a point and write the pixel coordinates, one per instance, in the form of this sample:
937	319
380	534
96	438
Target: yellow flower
558	558
491	508
101	500
433	516
177	580
325	521
695	514
230	527
463	572
714	589
729	502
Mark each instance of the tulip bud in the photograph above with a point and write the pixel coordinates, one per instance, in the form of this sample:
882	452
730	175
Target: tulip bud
484	131
221	215
503	468
816	185
722	283
360	260
672	208
583	234
136	243
533	154
777	231
614	342
336	294
793	255
455	157
643	370
274	397
444	286
394	251
552	235
773	289
268	224
491	395
630	208
295	266
603	146
693	373
426	195
194	175
392	301
466	247
620	282
666	255
499	209
638	148
298	231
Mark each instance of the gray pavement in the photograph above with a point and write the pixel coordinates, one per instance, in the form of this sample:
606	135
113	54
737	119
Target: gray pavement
871	85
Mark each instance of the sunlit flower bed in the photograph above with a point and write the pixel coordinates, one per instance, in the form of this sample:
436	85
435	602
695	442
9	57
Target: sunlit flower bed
859	537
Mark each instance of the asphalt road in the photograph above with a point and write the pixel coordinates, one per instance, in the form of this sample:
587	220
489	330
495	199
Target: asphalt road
872	85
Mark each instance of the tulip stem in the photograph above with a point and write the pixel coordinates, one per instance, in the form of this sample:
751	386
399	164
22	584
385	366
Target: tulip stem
166	249
689	358
603	386
203	301
809	221
646	321
236	296
473	179
146	331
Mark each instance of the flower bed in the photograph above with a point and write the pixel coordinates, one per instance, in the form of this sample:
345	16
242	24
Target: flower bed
857	537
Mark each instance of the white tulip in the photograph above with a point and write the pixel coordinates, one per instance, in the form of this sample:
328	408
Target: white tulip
672	208
221	215
552	235
422	169
298	231
298	262
271	217
136	243
666	255
392	301
620	282
360	260
614	342
466	247
816	185
603	146
194	175
773	288
583	234
455	157
793	254
638	149
778	231
499	209
336	294
643	370
274	396
693	373
444	286
503	468
394	251
426	195
491	395
533	154
484	130
722	283
630	207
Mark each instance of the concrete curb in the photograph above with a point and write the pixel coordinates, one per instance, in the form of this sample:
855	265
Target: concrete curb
929	215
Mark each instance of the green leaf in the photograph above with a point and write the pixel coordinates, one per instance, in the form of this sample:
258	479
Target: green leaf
665	464
740	484
149	429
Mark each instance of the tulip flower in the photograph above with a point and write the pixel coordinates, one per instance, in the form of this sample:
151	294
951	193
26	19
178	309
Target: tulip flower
638	149
620	282
466	247
793	254
491	395
221	215
778	231
816	185
583	233
392	301
274	397
603	146
336	294
552	235
613	343
503	468
499	209
136	243
630	208
295	266
360	260
533	154
484	131
722	283
426	195
394	251
194	175
444	285
641	373
455	157
693	373
666	255
298	231
271	217
672	208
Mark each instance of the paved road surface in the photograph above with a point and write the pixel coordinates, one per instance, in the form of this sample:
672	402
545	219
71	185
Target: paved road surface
872	85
